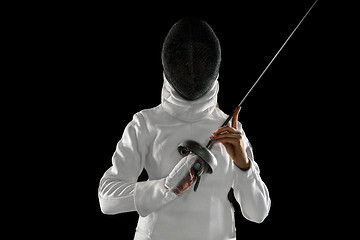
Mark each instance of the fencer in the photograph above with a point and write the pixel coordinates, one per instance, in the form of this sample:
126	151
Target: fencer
167	207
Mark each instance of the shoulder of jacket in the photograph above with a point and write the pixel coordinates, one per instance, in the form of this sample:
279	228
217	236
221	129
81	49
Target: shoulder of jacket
148	113
147	116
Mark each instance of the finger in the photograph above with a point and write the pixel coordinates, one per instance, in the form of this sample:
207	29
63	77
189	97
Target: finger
227	135
235	117
225	129
230	140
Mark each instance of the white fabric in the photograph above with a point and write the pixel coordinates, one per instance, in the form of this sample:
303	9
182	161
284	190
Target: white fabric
184	110
179	172
150	141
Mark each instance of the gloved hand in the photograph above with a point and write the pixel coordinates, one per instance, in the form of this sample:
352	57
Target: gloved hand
184	174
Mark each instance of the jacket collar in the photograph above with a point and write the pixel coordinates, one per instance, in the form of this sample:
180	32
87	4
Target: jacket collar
186	110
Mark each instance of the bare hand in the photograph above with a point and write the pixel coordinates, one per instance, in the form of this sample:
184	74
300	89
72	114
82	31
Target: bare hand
232	140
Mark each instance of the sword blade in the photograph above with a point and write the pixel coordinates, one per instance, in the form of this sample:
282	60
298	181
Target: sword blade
210	143
242	101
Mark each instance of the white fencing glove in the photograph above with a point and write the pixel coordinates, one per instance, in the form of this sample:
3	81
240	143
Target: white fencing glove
184	174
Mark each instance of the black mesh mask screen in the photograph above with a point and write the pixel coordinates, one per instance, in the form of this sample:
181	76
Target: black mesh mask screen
191	57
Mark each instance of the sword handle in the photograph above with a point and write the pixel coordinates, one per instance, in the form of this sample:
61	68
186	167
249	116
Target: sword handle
197	183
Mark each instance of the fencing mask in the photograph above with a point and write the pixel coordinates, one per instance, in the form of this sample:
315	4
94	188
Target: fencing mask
191	57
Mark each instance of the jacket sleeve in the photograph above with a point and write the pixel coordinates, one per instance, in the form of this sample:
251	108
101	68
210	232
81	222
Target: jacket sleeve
249	190
119	190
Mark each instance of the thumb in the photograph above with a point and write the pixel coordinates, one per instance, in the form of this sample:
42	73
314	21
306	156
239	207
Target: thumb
235	117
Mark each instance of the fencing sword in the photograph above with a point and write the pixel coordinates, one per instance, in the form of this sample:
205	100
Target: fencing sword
210	143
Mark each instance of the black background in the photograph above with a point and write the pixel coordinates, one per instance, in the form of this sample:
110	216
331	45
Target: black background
100	64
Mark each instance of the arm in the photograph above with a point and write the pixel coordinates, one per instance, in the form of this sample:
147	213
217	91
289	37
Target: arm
116	188
119	190
249	190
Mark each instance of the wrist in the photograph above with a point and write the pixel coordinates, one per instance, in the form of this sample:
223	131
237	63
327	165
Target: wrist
244	164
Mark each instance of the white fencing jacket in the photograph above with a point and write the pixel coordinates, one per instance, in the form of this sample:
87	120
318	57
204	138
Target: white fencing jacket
150	141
